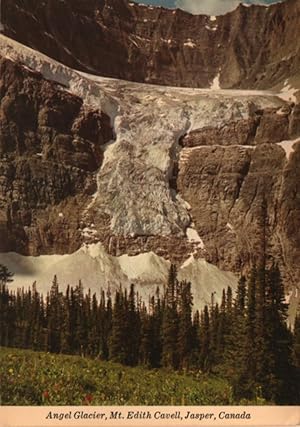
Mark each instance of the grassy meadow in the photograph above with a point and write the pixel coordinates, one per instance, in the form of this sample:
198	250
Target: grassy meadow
36	378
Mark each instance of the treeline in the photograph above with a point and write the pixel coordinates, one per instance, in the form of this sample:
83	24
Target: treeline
245	338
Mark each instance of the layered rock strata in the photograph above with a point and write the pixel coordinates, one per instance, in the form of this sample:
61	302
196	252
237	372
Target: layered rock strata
251	47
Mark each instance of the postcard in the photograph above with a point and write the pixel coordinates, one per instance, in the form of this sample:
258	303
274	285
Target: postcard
149	212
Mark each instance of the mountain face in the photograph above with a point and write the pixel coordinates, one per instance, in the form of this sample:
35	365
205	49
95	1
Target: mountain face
122	177
251	47
50	150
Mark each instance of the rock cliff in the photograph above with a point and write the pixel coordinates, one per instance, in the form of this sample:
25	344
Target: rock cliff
242	182
251	47
50	149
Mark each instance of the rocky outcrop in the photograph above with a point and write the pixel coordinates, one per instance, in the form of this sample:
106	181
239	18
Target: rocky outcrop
243	189
270	125
251	47
50	151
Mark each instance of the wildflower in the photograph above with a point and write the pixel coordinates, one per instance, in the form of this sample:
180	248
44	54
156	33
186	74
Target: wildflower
46	394
89	398
11	371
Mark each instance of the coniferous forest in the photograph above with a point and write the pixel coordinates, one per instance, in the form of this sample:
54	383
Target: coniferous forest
244	339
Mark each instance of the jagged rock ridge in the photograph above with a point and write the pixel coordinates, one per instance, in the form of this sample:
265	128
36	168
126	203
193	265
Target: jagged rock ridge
251	47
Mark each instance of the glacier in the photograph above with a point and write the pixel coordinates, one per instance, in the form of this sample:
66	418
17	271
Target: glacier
133	187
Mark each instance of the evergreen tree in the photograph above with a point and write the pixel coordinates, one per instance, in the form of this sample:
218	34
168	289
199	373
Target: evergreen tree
5	310
205	340
170	322
156	320
296	345
278	381
146	340
196	336
53	318
117	347
35	326
250	362
132	330
185	327
236	360
94	328
106	328
65	331
5	275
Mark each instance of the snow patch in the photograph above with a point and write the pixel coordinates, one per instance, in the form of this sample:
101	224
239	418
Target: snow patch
216	83
189	261
282	112
288	146
189	43
142	266
97	269
287	93
194	237
211	28
205	279
228	225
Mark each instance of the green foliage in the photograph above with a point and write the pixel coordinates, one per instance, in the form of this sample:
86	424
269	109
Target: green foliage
258	349
244	340
33	378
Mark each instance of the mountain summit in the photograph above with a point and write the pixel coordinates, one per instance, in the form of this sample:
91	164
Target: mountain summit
251	47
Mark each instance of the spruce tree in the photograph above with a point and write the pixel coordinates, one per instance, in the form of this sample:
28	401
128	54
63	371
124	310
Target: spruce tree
117	345
205	340
53	318
132	329
236	360
6	276
170	322
156	320
296	343
146	339
5	311
185	327
196	336
278	382
65	334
